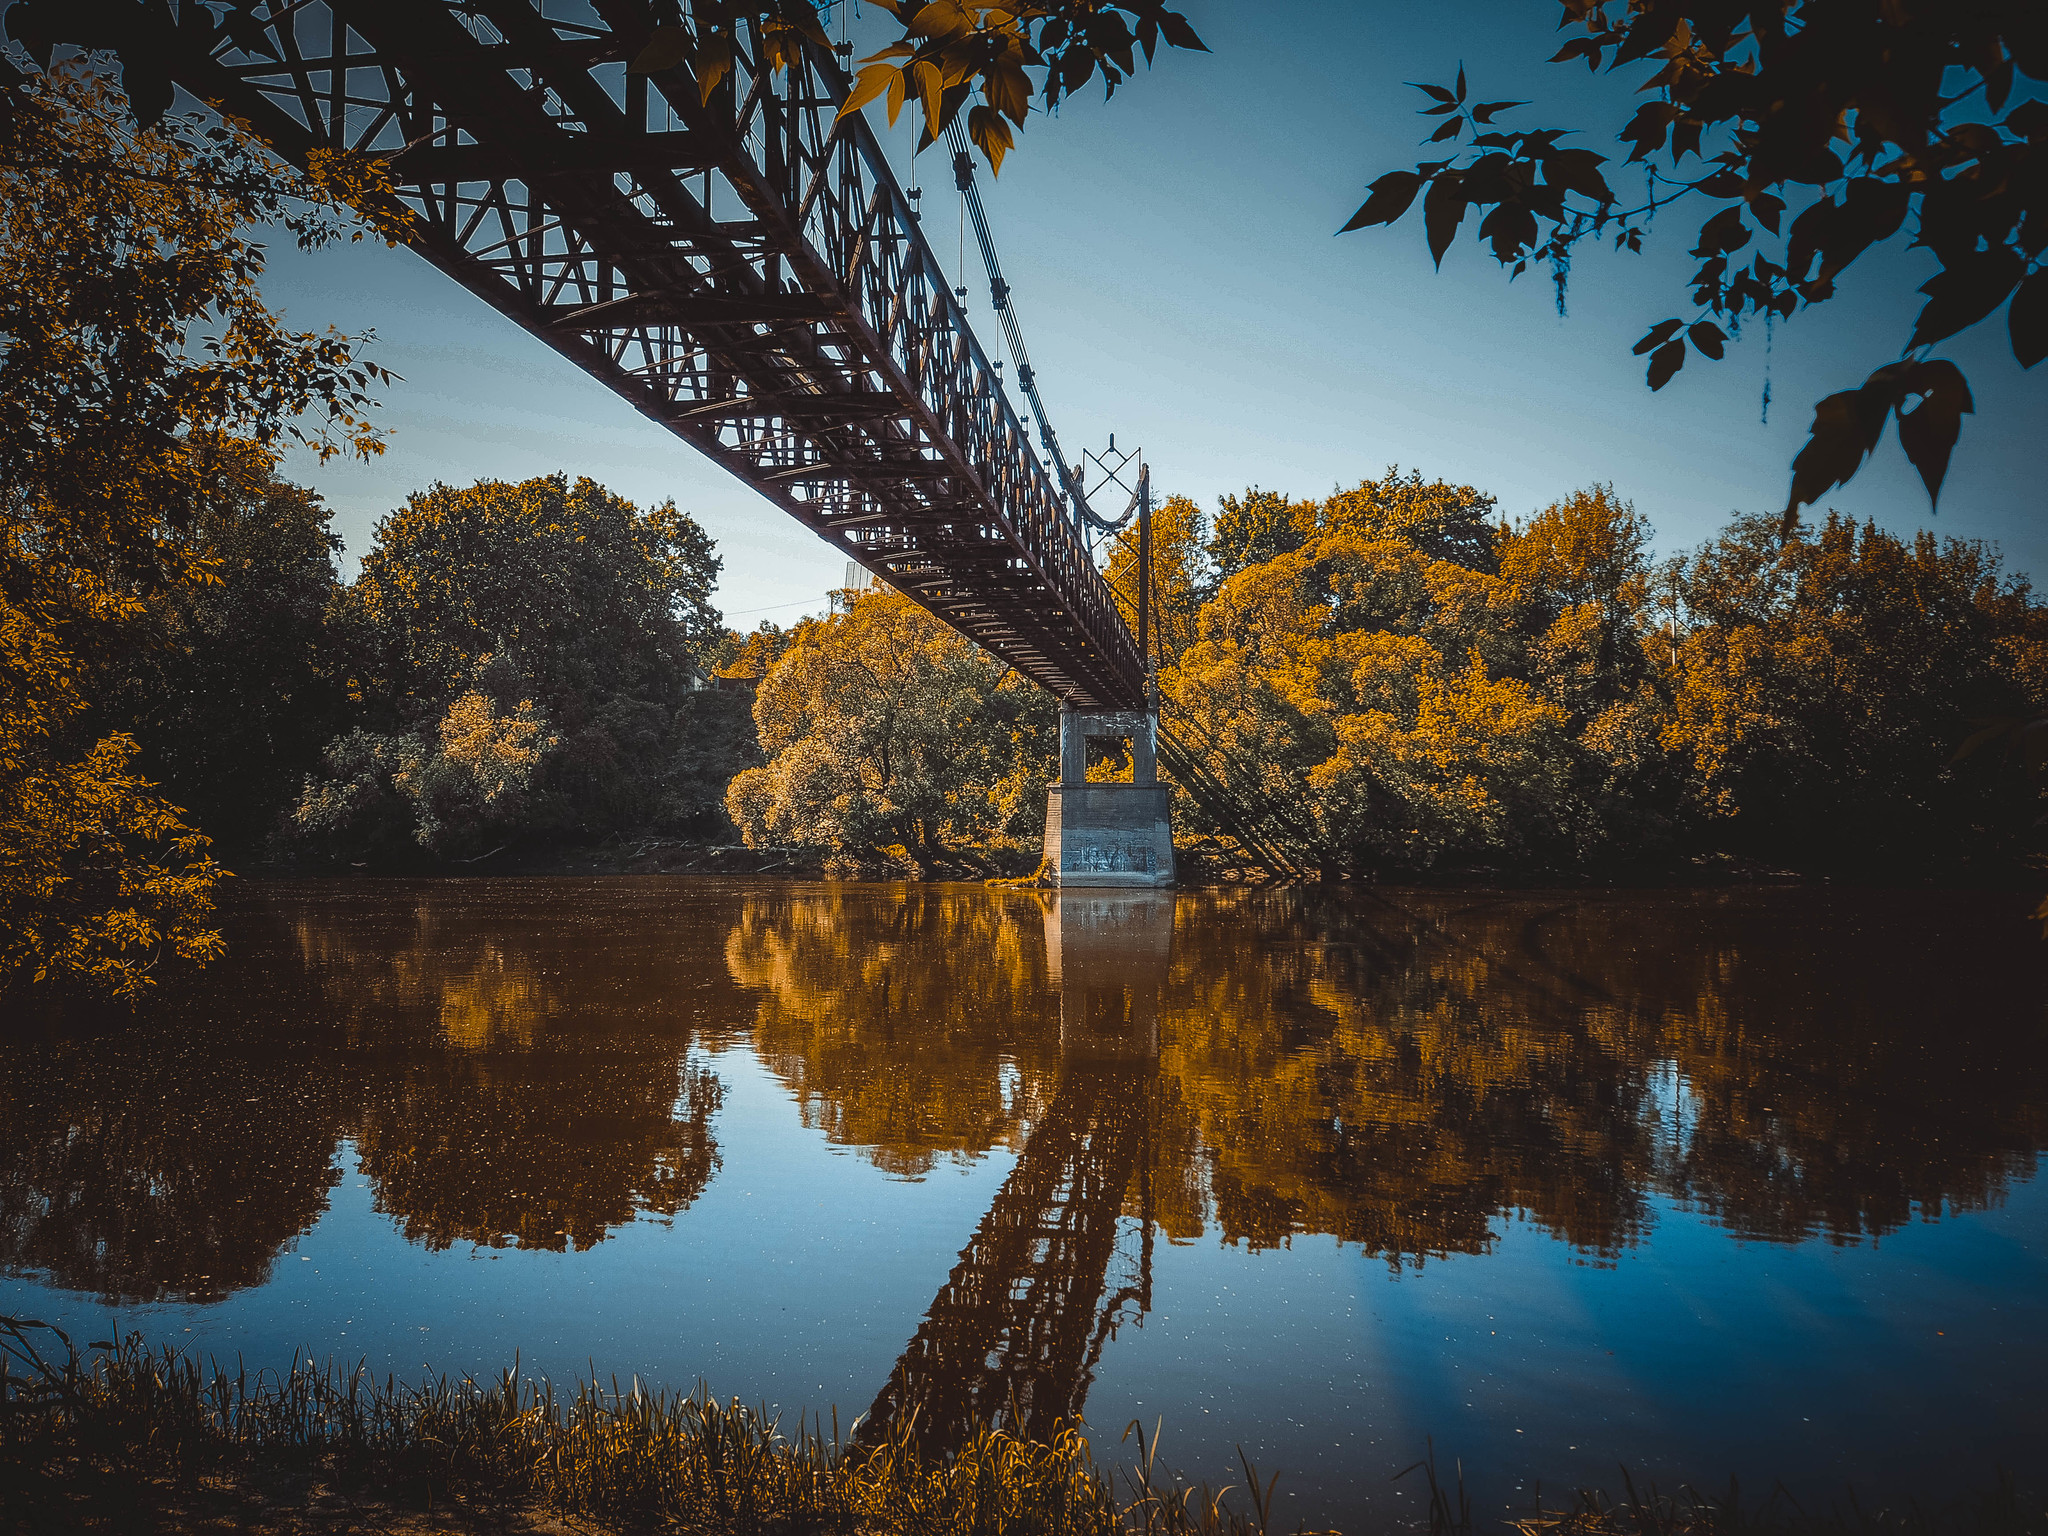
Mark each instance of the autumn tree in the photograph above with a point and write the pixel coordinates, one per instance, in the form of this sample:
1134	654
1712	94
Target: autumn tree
143	382
1805	132
1251	529
883	727
1350	680
1180	578
1822	683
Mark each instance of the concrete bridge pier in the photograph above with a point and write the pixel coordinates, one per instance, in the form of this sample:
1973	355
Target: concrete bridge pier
1109	834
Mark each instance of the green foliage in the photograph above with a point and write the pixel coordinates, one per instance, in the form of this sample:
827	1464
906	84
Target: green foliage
233	686
529	654
882	726
1251	529
1852	100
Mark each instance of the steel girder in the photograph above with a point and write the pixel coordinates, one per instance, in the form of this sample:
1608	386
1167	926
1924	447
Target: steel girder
746	272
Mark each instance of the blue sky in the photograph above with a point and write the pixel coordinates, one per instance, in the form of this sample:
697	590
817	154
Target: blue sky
1175	269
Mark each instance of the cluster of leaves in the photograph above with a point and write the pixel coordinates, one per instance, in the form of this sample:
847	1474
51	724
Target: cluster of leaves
949	47
1842	102
143	383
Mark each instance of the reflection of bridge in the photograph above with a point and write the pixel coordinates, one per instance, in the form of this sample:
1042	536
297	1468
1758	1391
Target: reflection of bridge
745	270
1015	1333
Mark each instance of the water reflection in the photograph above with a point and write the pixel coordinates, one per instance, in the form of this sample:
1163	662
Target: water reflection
535	1064
1014	1335
132	1167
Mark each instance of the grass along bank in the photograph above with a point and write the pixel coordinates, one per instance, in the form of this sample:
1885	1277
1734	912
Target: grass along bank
128	1438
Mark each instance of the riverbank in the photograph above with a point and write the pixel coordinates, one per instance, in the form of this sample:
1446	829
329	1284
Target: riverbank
127	1439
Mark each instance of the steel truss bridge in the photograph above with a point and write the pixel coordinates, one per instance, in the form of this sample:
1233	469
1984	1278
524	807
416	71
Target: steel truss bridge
746	271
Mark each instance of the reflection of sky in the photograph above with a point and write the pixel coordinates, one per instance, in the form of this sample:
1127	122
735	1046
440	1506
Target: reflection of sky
800	1273
1175	271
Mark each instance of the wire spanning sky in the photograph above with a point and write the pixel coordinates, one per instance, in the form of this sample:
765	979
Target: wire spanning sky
1173	261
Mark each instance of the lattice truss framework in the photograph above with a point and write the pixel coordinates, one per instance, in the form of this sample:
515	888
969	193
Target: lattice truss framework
1014	1336
747	272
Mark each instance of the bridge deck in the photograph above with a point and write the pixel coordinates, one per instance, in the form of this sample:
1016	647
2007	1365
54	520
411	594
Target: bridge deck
746	272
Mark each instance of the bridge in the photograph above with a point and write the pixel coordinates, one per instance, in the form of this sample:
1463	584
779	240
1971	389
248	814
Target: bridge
744	270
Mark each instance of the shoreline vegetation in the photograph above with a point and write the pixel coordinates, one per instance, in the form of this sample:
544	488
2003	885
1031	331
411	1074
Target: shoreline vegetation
130	1438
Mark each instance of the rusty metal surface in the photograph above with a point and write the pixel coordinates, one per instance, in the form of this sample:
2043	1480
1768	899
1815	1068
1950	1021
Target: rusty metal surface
747	272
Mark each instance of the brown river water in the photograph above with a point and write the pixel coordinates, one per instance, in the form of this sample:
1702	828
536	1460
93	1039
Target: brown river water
1705	1183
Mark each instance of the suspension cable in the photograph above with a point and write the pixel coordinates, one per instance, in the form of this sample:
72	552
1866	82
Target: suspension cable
999	300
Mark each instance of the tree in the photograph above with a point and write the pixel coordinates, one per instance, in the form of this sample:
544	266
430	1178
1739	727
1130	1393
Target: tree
1353	667
1444	521
1824	681
529	654
1251	529
138	351
1848	98
883	727
232	687
1179	576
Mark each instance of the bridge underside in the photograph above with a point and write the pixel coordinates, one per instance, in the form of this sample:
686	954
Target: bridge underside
745	271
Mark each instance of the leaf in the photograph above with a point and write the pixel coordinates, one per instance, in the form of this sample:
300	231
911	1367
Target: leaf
991	135
1461	82
1578	170
1845	430
1449	130
1708	338
1928	432
1658	334
1965	291
1586	48
1178	34
1483	113
1725	231
867	85
2028	320
1666	361
1437	91
1510	227
1443	210
665	49
1387	199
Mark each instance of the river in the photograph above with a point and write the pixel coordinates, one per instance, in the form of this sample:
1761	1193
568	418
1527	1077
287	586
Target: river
1739	1181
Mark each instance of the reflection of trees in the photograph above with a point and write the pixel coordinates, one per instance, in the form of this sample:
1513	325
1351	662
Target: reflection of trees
541	1148
1398	1072
1402	1071
513	1061
524	1061
138	1165
913	1024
